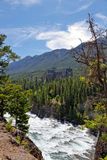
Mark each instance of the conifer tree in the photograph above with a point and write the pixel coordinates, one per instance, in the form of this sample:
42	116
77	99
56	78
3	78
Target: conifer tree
6	56
19	105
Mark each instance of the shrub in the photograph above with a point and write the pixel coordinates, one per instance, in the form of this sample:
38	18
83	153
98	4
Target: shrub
9	125
105	158
18	139
25	143
104	137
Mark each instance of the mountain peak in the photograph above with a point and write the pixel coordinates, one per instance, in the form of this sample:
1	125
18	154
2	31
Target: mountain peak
59	58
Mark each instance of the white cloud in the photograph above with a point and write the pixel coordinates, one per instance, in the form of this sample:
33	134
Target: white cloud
65	39
83	5
101	16
54	38
17	36
23	2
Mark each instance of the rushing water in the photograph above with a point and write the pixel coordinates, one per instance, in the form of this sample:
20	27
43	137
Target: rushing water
60	141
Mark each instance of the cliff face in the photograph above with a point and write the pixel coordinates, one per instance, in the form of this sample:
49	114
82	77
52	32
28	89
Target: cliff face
9	150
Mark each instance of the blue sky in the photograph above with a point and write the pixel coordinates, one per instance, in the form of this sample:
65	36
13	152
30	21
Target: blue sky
36	26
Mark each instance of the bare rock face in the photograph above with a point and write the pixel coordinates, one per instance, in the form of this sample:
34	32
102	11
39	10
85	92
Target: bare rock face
11	150
34	150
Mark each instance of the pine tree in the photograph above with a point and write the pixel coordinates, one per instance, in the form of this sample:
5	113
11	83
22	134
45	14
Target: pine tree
6	56
19	105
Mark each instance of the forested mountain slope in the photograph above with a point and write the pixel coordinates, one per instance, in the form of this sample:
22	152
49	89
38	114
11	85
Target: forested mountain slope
60	58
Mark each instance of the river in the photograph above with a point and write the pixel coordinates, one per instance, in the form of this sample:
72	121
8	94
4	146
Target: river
60	141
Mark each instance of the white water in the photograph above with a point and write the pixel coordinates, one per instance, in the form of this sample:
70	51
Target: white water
60	141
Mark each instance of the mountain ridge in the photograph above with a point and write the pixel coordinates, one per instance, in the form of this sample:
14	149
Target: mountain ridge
59	59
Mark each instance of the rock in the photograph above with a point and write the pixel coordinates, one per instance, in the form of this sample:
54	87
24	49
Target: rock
34	150
10	149
14	141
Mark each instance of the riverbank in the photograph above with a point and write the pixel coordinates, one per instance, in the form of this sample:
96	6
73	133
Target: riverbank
10	149
101	145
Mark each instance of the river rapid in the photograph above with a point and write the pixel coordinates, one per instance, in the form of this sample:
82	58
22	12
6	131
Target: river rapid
59	141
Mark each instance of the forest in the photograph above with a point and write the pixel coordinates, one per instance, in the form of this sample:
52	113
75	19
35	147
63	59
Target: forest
79	100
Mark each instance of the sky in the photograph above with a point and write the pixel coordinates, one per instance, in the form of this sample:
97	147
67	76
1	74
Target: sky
37	26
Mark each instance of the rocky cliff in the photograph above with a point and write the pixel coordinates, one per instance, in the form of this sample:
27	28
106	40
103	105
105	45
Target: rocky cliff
11	150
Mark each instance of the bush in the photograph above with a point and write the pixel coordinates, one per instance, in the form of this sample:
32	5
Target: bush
18	139
90	124
104	137
9	125
103	158
25	143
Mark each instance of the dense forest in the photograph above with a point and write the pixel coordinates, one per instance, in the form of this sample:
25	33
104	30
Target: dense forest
62	99
79	100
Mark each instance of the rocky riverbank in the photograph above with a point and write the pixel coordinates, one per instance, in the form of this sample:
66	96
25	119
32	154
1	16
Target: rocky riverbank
101	146
101	149
10	149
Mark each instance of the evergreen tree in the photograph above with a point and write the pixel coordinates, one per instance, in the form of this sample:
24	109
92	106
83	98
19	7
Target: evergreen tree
6	56
19	105
13	99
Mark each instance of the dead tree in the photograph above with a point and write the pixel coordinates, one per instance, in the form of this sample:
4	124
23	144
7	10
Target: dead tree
94	55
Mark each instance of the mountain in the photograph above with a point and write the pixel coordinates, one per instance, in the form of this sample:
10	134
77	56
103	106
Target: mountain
59	59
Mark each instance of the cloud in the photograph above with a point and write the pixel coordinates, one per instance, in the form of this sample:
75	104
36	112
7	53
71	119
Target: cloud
83	5
23	2
101	16
65	39
54	38
17	36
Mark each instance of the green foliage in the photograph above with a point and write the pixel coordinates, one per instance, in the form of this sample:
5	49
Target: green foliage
9	125
105	158
99	118
25	144
104	137
18	105
18	139
94	57
16	102
13	99
38	65
6	56
91	124
64	99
